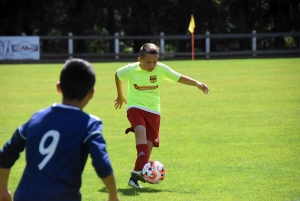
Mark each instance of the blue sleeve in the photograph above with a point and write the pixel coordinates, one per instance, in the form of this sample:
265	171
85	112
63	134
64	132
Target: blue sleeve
99	155
11	150
97	148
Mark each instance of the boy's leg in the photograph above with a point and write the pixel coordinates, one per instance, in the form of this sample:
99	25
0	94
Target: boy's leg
138	123
139	164
143	122
141	147
142	156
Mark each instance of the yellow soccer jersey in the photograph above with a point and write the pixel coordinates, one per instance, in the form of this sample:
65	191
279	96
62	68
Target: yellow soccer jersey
144	87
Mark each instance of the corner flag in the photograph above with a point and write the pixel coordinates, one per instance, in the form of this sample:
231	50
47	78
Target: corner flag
191	29
192	24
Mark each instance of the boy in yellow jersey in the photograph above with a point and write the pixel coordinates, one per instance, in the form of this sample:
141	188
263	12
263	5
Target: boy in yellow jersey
143	101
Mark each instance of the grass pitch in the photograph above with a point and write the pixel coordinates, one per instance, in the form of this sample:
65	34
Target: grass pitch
239	142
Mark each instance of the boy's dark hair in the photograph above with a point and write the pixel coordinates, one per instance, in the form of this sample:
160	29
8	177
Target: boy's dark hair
148	48
77	78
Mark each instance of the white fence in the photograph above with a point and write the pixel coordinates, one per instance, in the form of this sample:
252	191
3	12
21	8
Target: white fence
164	39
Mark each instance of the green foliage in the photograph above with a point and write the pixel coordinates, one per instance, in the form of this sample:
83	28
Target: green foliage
126	47
58	18
171	48
96	46
240	142
168	16
290	42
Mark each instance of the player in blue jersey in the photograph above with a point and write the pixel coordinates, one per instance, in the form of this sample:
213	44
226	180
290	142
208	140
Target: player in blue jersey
58	140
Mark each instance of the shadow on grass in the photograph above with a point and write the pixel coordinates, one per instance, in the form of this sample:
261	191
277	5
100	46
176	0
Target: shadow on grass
133	191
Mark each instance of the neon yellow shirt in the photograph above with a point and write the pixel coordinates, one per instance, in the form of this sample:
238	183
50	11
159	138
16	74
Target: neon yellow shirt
144	87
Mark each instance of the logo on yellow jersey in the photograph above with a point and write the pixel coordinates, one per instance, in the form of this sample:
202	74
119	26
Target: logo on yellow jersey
153	78
145	87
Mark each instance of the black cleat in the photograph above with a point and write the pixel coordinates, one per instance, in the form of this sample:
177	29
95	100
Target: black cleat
134	183
137	175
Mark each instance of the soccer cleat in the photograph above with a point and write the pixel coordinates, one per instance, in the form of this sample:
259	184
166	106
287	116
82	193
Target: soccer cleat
137	175
134	183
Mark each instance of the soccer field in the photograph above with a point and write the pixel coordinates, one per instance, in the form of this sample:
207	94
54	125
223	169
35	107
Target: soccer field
239	142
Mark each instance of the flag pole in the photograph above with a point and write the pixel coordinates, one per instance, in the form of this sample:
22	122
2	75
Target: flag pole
191	29
193	46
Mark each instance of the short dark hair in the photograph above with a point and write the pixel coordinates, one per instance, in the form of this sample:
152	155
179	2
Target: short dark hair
77	78
148	48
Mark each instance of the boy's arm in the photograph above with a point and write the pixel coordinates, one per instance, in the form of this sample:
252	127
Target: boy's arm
110	184
190	81
8	156
4	192
120	98
100	159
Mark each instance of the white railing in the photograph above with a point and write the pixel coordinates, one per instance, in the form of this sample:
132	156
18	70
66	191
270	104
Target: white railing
163	40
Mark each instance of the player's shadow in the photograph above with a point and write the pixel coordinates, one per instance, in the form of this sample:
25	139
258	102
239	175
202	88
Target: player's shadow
133	191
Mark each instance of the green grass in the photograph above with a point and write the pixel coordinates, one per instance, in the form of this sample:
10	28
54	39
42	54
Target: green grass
240	142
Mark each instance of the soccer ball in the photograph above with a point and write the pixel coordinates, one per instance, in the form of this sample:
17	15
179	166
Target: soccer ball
154	172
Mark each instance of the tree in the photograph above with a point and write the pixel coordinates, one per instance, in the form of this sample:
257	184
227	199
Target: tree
147	17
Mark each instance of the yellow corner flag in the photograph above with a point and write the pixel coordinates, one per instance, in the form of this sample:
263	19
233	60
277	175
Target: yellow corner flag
192	25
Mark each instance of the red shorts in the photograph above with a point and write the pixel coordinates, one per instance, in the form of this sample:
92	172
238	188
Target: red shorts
149	120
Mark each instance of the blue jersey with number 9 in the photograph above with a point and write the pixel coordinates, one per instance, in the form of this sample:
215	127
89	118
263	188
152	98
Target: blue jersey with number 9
57	140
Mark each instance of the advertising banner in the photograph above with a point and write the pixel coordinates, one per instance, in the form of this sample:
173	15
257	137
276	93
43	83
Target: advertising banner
19	47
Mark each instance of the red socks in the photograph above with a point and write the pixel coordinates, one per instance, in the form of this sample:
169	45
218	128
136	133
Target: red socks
142	156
